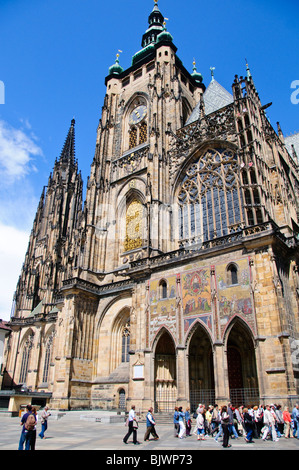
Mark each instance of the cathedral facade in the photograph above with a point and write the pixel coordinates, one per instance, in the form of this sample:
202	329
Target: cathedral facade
176	281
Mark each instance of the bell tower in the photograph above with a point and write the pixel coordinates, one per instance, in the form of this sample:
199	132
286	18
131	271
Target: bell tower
143	105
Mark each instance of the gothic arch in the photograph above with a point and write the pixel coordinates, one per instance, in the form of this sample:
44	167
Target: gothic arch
165	371
132	200
135	134
109	323
26	346
163	288
201	365
198	322
237	320
120	338
208	195
163	330
200	150
134	99
46	355
241	363
232	274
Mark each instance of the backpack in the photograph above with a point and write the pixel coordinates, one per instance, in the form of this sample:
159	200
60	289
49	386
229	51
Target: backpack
30	422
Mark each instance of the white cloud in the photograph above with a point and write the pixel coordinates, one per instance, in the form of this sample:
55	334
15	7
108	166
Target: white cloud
13	246
17	150
18	203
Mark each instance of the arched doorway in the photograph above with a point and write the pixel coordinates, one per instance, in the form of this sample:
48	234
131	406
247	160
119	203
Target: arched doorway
241	363
165	374
201	369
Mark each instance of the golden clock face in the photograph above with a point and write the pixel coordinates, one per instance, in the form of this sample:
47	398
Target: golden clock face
138	114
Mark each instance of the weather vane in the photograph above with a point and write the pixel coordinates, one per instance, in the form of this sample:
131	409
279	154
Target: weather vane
212	72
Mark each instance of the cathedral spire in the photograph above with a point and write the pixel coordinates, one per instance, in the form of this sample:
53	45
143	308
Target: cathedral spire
155	21
68	151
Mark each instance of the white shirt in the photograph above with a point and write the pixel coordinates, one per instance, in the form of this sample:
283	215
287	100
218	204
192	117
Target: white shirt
131	415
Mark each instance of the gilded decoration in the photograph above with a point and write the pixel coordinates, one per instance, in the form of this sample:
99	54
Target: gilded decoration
133	238
196	297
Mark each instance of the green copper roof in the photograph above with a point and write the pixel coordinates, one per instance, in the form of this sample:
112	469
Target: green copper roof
141	54
164	36
116	68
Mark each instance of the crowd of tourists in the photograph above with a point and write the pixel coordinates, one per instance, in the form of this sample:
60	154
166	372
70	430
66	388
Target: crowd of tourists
256	422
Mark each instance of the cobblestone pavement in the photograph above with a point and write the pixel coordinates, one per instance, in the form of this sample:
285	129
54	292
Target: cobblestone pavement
79	431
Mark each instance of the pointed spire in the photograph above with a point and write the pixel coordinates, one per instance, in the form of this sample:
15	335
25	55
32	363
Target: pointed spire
196	75
248	70
155	21
68	151
212	73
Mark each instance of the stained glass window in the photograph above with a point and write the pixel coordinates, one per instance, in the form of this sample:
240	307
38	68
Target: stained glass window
210	196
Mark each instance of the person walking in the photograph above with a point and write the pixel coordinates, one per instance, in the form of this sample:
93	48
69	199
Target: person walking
188	422
33	433
287	423
295	418
44	421
209	414
258	419
280	421
181	423
133	426
269	422
150	426
231	426
248	422
176	422
215	420
225	426
200	424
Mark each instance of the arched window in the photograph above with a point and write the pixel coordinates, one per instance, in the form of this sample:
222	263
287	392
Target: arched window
27	347
163	289
232	274
136	124
210	198
48	355
134	226
120	339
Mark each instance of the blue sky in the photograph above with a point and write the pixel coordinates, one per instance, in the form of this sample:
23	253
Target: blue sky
54	57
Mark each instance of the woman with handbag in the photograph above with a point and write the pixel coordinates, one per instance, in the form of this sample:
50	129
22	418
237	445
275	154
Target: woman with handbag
133	426
225	424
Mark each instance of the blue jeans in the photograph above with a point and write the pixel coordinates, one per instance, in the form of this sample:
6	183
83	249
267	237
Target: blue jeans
231	429
249	434
44	428
219	432
24	439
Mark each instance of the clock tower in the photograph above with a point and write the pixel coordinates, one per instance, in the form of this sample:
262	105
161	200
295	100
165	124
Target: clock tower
144	105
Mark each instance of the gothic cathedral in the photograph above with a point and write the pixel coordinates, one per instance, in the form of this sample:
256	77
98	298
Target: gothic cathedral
176	281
